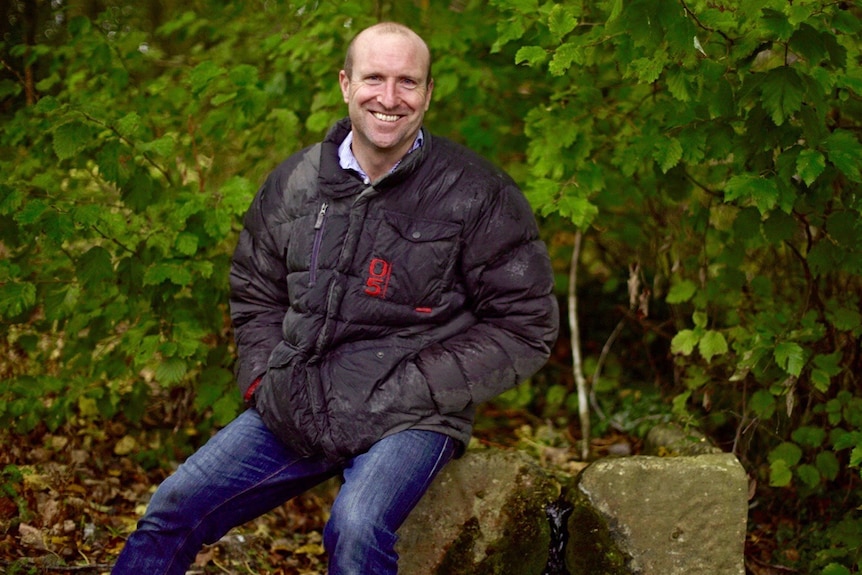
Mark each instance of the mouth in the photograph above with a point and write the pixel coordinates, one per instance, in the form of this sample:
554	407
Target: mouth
385	117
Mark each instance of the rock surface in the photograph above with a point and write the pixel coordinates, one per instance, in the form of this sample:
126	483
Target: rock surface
670	515
485	514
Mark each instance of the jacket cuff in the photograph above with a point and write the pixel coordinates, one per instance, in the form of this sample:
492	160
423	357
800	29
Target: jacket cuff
249	393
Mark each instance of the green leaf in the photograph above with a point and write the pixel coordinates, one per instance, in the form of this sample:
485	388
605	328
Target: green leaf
31	212
187	244
845	152
779	473
108	159
828	465
763	192
681	292
683	342
69	138
171	371
810	164
824	257
786	451
564	56
616	10
777	23
762	404
821	380
129	125
94	266
561	21
243	75
809	436
790	357
507	31
830	363
531	55
220	99
171	272
203	74
16	298
835	569
809	475
782	93
677	84
163	146
648	70
667	152
226	408
711	344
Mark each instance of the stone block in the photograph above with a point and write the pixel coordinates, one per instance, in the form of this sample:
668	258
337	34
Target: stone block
483	515
668	515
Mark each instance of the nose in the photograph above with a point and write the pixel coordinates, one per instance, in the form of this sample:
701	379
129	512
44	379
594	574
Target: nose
388	96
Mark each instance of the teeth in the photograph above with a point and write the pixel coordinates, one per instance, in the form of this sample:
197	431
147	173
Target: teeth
385	117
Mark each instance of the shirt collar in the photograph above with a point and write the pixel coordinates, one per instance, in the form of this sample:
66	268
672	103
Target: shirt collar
348	161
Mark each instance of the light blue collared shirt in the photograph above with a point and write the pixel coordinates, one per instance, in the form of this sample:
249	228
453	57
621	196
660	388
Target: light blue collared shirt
348	161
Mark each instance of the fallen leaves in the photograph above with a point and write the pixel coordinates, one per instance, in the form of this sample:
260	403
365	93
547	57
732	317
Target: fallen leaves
67	503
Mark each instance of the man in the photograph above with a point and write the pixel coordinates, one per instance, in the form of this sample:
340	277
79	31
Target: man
386	282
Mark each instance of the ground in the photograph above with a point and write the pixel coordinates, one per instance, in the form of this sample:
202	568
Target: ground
68	499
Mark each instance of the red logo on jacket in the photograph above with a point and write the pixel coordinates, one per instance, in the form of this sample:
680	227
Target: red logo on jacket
377	283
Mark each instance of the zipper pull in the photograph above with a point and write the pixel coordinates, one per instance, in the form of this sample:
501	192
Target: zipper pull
319	222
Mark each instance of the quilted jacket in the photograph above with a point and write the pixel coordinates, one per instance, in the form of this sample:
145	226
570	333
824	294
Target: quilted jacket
371	308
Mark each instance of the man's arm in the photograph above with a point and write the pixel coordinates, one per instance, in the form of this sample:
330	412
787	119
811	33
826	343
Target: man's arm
510	282
259	295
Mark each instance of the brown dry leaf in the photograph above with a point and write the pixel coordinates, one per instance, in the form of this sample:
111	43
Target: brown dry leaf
205	556
31	537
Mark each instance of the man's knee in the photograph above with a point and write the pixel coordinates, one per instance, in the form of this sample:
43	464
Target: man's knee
353	527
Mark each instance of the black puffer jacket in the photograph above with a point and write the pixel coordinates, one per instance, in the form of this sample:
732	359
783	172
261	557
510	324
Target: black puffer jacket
370	309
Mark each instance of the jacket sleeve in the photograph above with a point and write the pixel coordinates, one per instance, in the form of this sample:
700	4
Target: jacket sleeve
508	275
258	285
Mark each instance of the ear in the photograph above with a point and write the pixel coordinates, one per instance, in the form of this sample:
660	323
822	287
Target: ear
344	82
428	94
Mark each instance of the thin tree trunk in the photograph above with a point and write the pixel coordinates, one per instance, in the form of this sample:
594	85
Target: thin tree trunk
577	363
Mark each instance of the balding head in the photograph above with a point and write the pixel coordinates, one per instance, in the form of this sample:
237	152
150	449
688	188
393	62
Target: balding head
386	28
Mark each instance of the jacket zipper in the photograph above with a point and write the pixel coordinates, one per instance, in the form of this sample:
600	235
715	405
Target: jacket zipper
318	237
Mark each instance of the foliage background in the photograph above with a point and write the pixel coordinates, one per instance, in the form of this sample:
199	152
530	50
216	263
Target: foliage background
708	151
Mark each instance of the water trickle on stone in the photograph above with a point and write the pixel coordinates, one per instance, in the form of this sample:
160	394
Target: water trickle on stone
558	513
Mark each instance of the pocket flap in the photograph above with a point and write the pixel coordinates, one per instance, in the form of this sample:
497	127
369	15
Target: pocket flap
418	230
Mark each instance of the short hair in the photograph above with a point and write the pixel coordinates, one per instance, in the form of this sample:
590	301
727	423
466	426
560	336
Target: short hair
386	28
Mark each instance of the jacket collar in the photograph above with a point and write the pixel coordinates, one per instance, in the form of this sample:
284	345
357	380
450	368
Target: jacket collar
338	182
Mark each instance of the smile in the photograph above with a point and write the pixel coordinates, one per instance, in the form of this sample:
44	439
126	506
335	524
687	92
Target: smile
385	117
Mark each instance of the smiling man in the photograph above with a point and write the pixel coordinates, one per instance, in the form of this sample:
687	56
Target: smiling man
387	86
386	282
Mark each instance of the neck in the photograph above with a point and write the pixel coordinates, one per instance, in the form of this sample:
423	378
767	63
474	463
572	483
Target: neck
376	164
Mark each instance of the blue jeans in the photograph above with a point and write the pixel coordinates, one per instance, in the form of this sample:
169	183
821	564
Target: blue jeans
244	471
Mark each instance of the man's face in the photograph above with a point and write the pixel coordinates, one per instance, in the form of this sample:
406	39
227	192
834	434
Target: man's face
387	95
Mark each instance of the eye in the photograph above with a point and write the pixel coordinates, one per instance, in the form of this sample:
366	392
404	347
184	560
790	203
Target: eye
373	80
409	83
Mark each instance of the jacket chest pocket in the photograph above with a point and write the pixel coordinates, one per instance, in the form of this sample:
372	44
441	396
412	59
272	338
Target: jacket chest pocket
412	261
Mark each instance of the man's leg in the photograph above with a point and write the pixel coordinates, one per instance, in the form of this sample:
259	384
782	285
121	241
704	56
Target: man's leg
241	473
381	487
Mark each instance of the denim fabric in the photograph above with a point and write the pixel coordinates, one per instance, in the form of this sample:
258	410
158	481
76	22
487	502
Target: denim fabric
245	471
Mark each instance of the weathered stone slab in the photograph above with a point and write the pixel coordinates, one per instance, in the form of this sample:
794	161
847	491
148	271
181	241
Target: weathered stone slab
484	515
668	515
